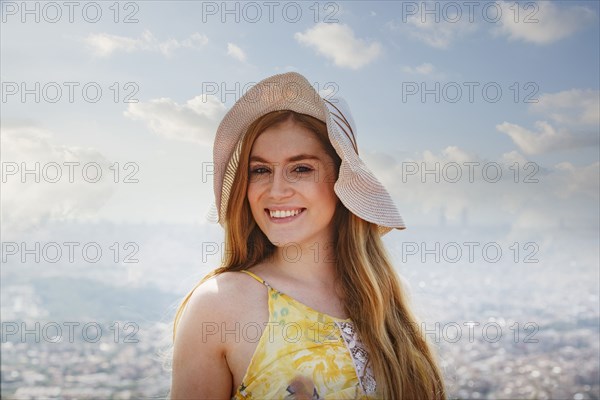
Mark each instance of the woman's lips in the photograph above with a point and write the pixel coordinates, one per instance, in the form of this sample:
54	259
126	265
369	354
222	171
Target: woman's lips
282	220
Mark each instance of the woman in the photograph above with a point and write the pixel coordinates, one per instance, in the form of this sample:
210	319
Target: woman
306	304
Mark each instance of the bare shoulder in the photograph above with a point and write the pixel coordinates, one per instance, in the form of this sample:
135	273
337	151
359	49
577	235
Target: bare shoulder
225	297
201	368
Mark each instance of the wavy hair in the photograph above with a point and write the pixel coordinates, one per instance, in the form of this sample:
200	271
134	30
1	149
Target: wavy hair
402	359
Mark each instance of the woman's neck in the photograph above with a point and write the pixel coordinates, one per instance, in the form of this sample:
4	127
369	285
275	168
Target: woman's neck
311	265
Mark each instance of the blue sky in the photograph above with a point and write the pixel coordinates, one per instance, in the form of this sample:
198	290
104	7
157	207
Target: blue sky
370	53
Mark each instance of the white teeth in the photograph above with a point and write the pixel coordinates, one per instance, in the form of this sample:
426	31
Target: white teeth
283	214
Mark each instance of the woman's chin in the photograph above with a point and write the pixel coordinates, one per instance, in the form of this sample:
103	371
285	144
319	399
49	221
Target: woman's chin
284	241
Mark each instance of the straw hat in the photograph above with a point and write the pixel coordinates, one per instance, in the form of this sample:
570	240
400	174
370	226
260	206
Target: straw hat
356	187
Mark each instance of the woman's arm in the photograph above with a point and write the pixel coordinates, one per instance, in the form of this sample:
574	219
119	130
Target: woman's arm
200	370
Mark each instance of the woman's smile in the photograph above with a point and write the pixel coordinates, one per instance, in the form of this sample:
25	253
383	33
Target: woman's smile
284	216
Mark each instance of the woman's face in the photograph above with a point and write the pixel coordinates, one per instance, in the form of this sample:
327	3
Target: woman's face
290	188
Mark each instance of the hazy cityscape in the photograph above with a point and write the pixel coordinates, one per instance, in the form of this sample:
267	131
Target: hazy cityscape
503	330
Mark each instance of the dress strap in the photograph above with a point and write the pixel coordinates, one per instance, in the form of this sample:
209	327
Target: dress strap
258	278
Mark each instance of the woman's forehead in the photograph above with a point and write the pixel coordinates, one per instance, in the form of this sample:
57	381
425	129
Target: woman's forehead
286	141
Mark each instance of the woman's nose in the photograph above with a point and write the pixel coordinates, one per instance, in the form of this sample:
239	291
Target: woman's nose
280	185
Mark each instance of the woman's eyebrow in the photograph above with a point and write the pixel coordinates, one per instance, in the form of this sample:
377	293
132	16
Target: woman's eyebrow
290	159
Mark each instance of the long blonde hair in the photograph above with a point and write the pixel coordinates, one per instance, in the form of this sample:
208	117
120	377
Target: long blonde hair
402	360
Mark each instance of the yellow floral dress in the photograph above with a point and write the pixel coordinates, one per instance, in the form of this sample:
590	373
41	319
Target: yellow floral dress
300	345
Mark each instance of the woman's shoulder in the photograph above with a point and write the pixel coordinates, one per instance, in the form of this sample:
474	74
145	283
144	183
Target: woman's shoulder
226	296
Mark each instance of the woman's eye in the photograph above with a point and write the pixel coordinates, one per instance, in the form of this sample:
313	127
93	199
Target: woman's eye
259	171
302	169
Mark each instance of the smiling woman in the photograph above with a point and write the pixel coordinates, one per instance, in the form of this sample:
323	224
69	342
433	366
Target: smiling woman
306	304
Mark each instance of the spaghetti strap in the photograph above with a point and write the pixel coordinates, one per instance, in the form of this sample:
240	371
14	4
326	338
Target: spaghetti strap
258	278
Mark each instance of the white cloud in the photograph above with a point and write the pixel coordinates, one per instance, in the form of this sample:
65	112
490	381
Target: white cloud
439	34
432	189
56	191
286	68
422	192
572	107
195	121
570	110
573	179
423	69
235	52
513	157
541	22
338	43
547	139
449	154
104	44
